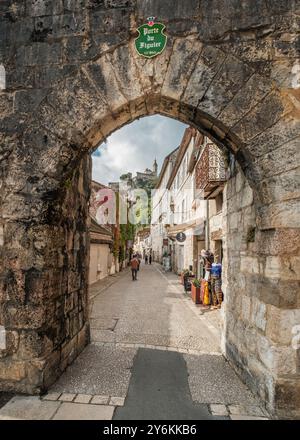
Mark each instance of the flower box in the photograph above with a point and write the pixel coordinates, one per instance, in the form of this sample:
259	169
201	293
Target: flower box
196	294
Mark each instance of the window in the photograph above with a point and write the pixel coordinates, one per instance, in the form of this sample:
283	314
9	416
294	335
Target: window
219	202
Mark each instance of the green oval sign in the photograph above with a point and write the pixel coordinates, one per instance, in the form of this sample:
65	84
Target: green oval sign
151	40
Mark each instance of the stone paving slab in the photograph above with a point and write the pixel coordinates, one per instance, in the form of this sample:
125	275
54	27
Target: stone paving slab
28	408
51	396
219	410
100	400
239	412
212	380
67	397
251	410
244	417
99	370
78	411
83	398
117	401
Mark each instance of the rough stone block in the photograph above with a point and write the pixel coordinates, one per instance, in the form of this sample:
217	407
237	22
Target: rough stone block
258	314
12	370
206	68
284	268
267	113
255	89
230	78
283	214
80	48
281	187
111	21
287	394
126	73
36	8
102	74
280	361
250	265
25	317
246	197
246	307
34	345
183	59
280	160
39	53
280	324
167	10
70	24
6	104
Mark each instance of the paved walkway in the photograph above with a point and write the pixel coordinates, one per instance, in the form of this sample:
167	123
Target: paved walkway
154	355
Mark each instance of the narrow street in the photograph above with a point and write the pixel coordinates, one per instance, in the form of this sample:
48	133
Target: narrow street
153	355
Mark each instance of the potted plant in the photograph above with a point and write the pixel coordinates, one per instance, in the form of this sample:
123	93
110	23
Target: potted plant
182	275
196	290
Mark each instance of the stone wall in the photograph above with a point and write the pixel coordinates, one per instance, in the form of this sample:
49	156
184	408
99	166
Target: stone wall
73	76
261	307
44	303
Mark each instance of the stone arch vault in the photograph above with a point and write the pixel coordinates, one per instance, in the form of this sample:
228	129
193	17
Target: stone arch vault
231	69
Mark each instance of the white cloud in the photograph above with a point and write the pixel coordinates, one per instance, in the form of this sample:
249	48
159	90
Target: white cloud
134	147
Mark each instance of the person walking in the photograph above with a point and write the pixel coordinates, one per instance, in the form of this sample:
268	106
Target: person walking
150	259
139	258
146	259
134	263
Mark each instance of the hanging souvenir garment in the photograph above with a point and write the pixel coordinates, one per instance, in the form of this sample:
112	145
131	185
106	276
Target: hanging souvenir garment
202	291
216	284
206	298
214	291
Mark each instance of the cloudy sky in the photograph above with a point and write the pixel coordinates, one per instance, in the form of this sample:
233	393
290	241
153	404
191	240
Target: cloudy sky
134	147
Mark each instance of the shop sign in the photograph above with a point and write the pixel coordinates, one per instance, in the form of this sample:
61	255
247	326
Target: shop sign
151	40
181	237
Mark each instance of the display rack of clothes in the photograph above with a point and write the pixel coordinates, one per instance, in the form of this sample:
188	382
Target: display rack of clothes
211	281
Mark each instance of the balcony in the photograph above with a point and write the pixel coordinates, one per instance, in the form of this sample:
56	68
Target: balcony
210	172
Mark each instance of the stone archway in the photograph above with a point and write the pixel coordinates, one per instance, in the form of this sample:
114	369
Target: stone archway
230	71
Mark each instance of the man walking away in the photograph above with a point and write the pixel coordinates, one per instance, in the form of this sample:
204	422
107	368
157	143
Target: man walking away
139	258
150	258
146	259
134	263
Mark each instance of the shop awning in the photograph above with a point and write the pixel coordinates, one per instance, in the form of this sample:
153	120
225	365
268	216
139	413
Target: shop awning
196	225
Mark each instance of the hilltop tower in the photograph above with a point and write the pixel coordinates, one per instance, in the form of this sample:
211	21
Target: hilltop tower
155	167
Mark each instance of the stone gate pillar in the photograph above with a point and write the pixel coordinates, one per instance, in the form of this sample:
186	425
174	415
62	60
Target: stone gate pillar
43	301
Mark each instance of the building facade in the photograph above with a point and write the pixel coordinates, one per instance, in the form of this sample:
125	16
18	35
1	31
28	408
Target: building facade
188	203
160	209
102	233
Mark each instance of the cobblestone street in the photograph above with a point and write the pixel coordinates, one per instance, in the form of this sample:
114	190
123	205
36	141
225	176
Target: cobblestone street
153	355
